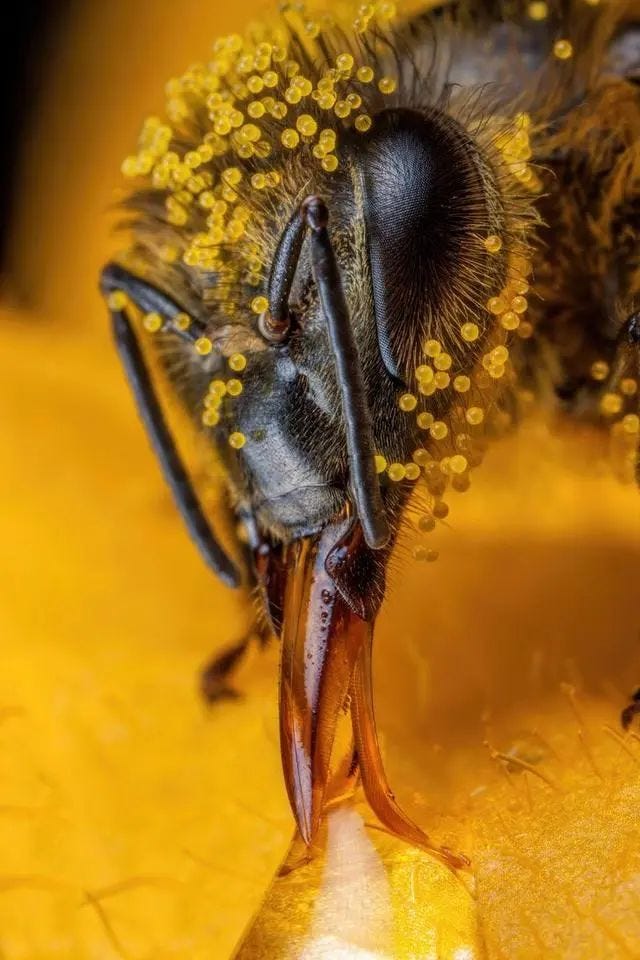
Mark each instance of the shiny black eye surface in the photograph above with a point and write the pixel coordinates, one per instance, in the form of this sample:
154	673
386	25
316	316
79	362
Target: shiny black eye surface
424	200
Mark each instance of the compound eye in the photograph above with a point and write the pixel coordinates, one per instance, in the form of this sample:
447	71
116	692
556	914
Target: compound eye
424	203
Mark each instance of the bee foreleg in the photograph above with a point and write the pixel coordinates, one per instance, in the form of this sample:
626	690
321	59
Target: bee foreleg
216	676
162	441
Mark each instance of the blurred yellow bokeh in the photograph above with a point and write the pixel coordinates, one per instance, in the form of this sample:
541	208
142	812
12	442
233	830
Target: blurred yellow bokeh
136	823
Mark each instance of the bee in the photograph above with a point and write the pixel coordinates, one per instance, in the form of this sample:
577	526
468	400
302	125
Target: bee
356	242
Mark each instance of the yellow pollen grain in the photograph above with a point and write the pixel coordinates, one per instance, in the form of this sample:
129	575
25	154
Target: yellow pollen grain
425	555
421	456
237	440
460	483
387	85
259	304
442	380
563	49
210	418
442	362
380	463
203	346
525	330
474	415
326	101
599	370
182	321
497	305
152	322
306	125
344	62
279	110
469	332
519	286
365	74
510	320
363	123
610	403
293	95
628	386
329	163
500	354
538	10
426	524
396	472
631	423
424	420
408	402
432	348
440	508
461	384
218	388
519	304
412	471
387	10
237	362
342	109
438	430
493	243
424	373
290	138
458	464
256	110
117	300
234	388
427	387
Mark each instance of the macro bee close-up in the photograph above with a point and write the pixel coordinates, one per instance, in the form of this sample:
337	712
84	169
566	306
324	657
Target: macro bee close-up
373	268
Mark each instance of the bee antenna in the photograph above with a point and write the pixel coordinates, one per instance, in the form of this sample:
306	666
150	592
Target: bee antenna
275	323
364	479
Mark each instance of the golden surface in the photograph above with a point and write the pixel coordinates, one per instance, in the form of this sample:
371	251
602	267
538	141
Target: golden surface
134	823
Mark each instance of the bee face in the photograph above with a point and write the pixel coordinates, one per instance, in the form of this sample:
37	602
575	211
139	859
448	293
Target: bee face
412	197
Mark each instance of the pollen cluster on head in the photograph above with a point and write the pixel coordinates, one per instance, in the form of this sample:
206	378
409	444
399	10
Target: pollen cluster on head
235	121
456	389
516	150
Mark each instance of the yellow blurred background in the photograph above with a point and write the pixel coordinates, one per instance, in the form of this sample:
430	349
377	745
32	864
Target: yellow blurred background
136	823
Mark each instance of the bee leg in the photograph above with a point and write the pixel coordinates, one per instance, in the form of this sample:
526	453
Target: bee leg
631	710
215	678
115	279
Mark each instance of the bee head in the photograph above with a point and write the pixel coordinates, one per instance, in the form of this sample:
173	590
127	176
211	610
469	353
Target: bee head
410	214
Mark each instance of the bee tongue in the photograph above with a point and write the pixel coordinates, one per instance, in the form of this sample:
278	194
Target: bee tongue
333	585
325	626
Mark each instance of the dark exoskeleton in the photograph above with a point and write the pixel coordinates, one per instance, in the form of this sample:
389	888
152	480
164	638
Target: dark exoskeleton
366	265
